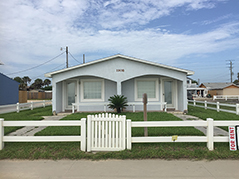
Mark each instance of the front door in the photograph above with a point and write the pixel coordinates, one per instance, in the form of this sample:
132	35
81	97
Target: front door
71	93
168	93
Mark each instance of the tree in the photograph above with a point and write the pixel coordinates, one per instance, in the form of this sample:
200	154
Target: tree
236	82
118	102
26	80
38	83
22	85
47	82
18	79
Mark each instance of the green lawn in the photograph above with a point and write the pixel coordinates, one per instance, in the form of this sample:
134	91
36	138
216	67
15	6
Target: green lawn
204	114
71	150
27	115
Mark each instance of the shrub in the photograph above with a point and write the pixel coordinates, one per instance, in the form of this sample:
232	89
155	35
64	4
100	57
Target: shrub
118	102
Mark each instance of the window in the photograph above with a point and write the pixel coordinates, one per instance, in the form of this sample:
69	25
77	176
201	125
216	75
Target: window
92	90
148	86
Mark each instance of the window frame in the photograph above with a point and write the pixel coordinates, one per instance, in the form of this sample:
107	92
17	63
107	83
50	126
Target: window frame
156	80
96	99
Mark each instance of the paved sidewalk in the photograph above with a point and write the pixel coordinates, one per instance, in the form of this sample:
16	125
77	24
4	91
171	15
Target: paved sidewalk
123	169
217	131
31	130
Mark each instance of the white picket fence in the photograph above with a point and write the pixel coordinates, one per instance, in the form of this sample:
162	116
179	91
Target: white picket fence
209	138
24	106
217	106
108	132
105	132
81	138
226	97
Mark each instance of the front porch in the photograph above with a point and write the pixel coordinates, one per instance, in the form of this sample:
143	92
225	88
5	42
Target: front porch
91	94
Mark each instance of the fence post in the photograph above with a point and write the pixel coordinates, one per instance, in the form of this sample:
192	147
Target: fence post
194	102
73	108
1	133
31	105
83	135
44	103
123	132
210	144
226	97
18	108
133	107
237	109
129	144
214	97
205	104
89	128
218	106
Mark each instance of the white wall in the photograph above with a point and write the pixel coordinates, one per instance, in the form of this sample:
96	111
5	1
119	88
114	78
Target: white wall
130	70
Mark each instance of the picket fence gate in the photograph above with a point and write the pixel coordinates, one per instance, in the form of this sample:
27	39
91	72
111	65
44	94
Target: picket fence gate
106	132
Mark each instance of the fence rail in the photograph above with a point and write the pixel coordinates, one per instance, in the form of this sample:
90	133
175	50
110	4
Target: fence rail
226	97
209	138
217	106
81	138
24	106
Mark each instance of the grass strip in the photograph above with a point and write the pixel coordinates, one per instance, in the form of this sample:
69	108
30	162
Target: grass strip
27	115
208	113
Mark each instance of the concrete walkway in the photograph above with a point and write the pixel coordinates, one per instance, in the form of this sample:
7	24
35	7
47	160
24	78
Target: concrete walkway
31	130
217	131
123	169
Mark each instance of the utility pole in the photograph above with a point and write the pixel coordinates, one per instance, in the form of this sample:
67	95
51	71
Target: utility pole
231	67
66	57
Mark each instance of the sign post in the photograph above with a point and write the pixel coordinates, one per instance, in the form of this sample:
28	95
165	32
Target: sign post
145	101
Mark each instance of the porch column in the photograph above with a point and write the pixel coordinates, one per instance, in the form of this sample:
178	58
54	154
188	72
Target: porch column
161	93
119	88
53	96
78	94
185	105
63	95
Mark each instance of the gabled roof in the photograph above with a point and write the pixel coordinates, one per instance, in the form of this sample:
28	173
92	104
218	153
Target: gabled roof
119	56
217	85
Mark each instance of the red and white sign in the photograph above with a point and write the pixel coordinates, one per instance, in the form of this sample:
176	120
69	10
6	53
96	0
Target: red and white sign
232	138
237	132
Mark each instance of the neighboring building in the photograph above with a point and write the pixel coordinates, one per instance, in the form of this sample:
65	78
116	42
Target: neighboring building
220	88
92	83
194	89
8	90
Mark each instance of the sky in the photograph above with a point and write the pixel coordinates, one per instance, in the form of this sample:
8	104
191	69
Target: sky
198	35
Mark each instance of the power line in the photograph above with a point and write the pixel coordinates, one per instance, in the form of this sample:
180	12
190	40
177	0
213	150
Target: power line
73	57
37	65
61	65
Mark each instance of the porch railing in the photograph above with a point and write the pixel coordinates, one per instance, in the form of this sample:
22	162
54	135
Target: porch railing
133	104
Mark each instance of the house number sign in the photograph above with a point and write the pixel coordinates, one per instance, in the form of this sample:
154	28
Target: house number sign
119	70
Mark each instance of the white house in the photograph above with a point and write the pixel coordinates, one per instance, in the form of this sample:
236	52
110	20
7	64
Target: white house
90	85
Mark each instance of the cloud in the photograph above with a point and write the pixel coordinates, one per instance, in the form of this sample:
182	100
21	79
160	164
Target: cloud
32	32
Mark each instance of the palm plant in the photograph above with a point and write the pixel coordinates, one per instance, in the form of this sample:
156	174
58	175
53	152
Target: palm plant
118	102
